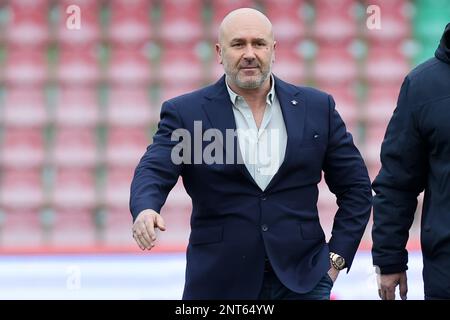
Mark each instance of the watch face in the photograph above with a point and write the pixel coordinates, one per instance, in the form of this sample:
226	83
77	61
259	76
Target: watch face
340	262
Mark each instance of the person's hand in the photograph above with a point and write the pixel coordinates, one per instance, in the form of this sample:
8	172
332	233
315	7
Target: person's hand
144	228
333	273
387	284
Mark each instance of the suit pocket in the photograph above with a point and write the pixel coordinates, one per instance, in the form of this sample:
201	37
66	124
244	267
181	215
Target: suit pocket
311	230
206	235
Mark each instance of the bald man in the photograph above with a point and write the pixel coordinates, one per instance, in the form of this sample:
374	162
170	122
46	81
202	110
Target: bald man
251	150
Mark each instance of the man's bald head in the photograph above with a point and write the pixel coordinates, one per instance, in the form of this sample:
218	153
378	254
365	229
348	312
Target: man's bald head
246	48
242	19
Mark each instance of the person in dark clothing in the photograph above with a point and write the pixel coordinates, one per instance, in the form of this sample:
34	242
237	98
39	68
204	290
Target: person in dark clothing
415	157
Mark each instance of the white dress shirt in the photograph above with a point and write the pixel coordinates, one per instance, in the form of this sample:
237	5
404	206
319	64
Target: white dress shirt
262	149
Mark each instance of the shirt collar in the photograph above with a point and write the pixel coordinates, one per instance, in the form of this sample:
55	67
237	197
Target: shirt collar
269	98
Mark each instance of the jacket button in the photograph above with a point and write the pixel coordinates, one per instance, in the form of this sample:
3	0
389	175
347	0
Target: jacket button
264	227
263	197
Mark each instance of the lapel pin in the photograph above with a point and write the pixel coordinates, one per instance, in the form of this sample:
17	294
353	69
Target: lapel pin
294	102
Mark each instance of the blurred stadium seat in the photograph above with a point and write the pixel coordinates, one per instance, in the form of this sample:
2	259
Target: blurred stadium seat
89	32
73	227
130	106
335	21
75	147
288	20
21	189
77	106
25	107
21	228
74	188
130	23
78	67
22	148
126	146
25	67
181	22
129	67
27	24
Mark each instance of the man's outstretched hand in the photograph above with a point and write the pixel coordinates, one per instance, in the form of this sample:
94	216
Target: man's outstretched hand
144	228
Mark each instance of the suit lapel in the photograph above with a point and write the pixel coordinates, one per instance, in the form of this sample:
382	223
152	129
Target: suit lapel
219	111
293	108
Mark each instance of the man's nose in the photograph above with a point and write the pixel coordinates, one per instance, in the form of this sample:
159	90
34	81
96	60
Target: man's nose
249	53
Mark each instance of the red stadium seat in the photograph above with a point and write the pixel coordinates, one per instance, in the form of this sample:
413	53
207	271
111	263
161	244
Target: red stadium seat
75	147
117	188
129	67
181	22
24	107
386	65
287	17
178	67
335	65
130	106
22	148
172	91
78	67
374	138
73	228
381	102
335	21
21	228
89	33
289	66
395	22
21	189
74	188
77	106
27	24
130	22
346	104
25	67
215	71
126	146
118	228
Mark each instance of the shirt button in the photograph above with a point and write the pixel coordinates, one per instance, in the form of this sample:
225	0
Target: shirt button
264	227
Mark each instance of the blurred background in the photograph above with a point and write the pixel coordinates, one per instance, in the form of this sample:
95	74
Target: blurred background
78	107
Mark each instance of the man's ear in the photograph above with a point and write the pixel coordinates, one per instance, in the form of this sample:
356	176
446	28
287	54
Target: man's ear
219	53
274	50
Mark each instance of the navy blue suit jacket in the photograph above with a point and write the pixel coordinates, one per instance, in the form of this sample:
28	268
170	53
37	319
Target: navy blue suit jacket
234	224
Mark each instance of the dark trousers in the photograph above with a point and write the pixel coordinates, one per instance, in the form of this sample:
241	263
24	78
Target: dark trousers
273	289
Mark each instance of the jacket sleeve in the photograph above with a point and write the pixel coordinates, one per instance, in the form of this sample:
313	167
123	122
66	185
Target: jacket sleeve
156	173
346	176
401	178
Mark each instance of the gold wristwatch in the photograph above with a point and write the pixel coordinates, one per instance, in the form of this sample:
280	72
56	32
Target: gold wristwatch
337	261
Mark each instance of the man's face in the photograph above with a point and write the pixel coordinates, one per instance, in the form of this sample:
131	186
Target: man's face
246	50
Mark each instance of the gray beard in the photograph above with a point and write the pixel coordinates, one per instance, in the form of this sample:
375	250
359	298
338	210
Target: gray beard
250	84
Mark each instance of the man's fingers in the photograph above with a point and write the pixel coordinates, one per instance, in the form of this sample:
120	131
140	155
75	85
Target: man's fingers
390	294
160	223
136	238
144	229
150	229
403	287
144	239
